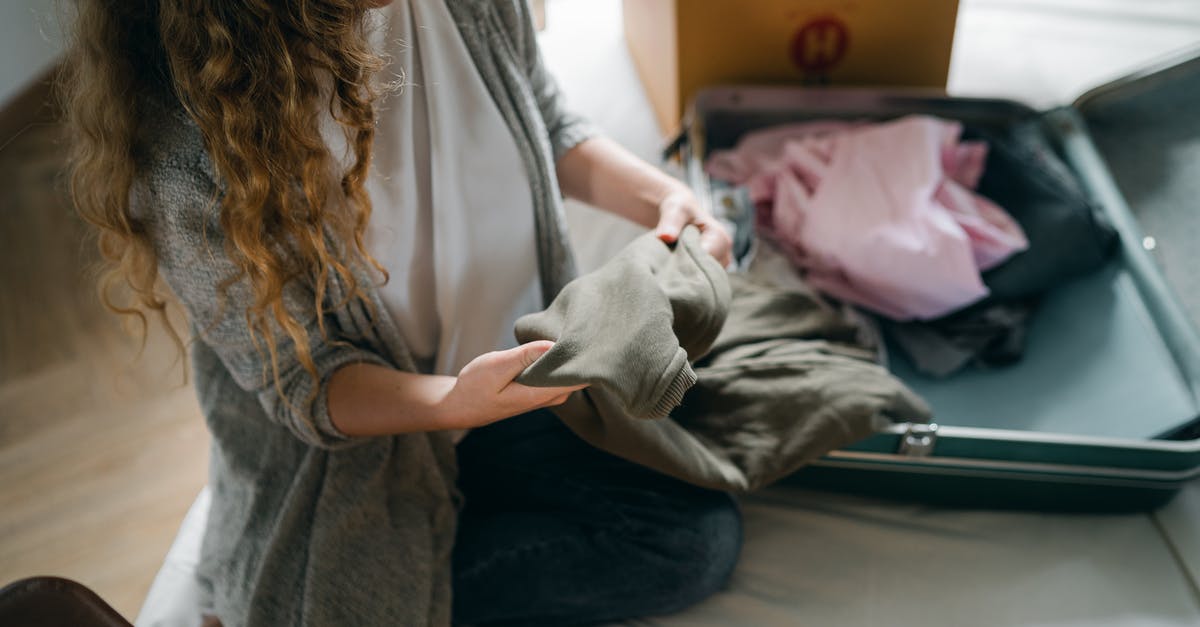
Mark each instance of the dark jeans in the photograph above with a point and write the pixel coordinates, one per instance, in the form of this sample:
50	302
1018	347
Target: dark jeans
557	532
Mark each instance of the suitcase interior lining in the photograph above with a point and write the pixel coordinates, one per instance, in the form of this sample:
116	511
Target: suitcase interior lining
1150	136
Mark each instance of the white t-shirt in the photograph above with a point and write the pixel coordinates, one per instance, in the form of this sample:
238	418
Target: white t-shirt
453	212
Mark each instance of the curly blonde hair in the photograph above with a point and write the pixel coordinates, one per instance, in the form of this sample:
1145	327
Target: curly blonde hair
256	76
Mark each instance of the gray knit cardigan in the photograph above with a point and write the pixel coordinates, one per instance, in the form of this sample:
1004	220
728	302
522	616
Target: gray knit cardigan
309	526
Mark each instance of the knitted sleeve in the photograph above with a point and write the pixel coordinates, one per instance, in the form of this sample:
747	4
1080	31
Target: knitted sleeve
567	129
175	201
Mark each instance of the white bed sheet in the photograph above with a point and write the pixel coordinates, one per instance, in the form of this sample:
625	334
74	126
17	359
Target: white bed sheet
815	558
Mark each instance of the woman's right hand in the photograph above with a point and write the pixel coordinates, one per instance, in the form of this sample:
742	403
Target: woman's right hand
485	390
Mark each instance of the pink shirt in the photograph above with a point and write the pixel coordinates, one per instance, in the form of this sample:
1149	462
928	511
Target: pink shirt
879	215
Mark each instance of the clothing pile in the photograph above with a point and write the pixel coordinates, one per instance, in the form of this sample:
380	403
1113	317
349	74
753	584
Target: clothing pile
950	235
938	236
881	216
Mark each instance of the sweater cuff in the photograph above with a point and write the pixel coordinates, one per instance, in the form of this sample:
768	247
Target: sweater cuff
322	432
682	381
571	135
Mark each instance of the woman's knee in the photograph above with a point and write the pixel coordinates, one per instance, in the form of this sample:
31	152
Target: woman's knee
720	527
703	547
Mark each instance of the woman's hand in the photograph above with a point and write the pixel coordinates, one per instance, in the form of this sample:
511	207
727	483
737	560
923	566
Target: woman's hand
368	399
601	173
681	208
485	392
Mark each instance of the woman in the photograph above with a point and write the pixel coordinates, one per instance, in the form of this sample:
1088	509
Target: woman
352	260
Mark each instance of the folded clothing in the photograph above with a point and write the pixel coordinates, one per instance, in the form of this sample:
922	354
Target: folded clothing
782	376
1066	233
880	215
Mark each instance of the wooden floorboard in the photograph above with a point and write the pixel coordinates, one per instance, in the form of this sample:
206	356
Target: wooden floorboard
101	450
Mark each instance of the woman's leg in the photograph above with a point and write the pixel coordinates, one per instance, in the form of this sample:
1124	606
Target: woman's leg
557	532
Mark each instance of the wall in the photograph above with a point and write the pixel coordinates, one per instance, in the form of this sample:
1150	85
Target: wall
30	40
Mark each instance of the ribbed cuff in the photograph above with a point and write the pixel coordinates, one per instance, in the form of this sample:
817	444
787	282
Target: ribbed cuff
672	396
322	432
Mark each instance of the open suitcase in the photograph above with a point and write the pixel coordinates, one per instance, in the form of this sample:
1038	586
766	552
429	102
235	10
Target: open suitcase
1102	412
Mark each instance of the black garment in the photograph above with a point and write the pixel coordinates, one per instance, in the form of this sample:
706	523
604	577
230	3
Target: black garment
557	532
1069	237
988	336
1068	233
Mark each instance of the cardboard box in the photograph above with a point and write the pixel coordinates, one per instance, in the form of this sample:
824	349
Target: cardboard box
681	46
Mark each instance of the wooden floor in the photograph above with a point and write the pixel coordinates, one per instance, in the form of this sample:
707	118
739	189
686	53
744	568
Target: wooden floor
101	450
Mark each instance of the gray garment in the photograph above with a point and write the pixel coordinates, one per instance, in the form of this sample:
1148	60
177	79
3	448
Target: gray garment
309	526
989	336
781	377
630	328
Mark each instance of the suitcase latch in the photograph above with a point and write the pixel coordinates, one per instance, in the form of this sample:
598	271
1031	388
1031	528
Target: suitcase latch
918	441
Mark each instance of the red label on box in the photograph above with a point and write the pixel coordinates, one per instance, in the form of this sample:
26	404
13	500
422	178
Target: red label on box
819	45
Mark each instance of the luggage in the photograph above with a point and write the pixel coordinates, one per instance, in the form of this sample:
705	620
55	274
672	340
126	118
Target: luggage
1103	411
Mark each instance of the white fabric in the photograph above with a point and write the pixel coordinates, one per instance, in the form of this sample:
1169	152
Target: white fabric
815	558
453	212
174	596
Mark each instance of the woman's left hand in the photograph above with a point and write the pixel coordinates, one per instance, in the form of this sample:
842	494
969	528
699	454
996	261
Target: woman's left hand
681	208
601	173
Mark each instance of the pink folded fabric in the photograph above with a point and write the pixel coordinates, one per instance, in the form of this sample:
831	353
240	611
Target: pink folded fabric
880	215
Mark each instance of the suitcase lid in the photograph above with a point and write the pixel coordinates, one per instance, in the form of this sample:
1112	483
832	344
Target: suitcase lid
1146	126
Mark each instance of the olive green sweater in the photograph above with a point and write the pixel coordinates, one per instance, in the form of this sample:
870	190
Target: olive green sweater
781	377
